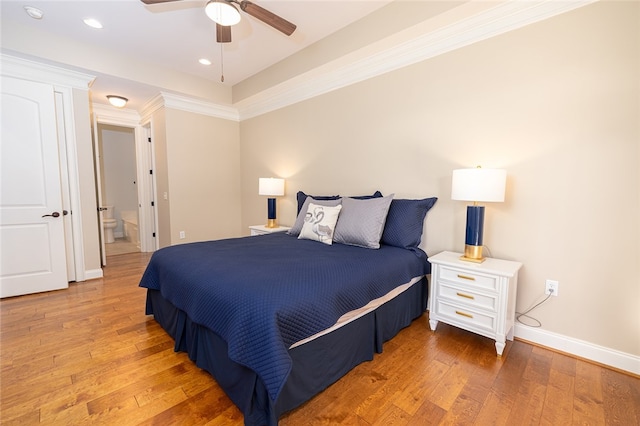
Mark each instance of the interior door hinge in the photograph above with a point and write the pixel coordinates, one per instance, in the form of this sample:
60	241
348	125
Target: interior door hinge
149	140
154	235
153	203
150	172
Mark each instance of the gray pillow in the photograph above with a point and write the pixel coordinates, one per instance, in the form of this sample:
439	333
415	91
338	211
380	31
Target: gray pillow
361	222
299	223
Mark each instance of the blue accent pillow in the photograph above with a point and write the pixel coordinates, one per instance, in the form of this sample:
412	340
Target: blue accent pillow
301	197
405	222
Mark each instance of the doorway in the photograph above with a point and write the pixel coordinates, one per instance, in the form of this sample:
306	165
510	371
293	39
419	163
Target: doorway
119	193
130	158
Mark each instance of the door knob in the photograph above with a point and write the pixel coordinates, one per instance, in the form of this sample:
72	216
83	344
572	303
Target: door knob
54	214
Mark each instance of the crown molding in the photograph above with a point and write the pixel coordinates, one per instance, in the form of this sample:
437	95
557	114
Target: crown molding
25	69
107	114
188	104
467	24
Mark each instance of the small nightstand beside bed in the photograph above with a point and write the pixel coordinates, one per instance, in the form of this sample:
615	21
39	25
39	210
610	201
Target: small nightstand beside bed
277	319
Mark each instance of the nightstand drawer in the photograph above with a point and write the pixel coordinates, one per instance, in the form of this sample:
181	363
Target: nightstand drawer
464	297
468	317
468	278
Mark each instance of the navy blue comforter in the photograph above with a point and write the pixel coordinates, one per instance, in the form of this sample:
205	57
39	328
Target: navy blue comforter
262	294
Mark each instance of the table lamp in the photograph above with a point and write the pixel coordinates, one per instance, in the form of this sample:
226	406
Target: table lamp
477	185
271	187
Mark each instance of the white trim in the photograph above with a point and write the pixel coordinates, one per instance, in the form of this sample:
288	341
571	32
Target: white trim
92	274
580	348
199	106
73	178
37	71
473	22
194	105
118	117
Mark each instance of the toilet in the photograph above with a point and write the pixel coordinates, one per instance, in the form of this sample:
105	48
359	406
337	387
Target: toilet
109	224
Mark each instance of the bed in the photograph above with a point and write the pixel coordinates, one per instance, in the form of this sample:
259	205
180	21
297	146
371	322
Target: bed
278	318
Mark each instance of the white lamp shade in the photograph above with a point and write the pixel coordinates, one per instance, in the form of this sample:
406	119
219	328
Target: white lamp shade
478	184
273	187
222	12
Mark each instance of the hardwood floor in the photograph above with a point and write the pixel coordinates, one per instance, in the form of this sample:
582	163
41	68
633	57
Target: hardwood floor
89	355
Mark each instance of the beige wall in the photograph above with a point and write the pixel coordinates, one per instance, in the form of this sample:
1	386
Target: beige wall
203	169
555	103
159	137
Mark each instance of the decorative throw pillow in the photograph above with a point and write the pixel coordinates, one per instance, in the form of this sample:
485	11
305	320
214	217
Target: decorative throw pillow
297	226
405	222
320	223
362	221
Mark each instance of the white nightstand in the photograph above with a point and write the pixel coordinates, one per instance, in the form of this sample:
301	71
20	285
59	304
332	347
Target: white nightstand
478	297
263	230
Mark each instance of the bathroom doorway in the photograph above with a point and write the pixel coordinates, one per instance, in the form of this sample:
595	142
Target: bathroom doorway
118	189
136	134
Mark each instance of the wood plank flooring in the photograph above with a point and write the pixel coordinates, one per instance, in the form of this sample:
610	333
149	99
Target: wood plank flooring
89	355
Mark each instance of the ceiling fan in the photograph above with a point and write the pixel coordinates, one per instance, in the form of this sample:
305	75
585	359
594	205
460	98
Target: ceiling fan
225	14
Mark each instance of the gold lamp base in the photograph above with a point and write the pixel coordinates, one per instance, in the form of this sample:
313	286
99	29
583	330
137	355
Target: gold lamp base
472	254
271	223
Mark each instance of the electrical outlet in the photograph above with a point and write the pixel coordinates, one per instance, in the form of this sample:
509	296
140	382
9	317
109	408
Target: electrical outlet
182	235
551	287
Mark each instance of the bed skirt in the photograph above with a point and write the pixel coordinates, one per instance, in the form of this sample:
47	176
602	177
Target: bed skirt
316	364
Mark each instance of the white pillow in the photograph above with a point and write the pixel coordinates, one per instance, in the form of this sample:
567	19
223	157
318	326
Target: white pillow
302	214
320	223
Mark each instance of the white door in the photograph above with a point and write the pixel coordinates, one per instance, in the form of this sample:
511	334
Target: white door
98	168
65	190
32	246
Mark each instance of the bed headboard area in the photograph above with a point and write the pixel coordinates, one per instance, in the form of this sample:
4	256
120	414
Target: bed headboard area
363	220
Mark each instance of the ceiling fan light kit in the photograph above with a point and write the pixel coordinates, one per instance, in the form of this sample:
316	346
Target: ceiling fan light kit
222	12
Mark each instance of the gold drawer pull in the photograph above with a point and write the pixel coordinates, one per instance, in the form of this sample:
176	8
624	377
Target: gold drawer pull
464	314
466	277
468	296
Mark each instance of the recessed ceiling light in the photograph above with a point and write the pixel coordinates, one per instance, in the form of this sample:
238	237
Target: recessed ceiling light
34	12
93	23
204	61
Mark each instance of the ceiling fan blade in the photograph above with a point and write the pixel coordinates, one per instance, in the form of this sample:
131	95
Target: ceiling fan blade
267	17
223	34
156	1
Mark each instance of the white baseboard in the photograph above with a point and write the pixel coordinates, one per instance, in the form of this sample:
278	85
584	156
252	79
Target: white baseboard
93	274
580	348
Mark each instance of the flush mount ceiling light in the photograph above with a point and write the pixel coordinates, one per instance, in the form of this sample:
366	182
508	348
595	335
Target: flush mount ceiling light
93	23
204	61
35	13
117	101
222	12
